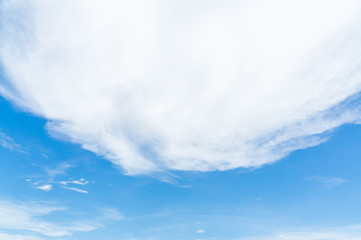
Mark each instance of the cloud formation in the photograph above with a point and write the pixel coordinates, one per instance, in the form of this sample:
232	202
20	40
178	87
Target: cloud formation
76	189
49	184
9	143
29	217
81	181
184	85
45	187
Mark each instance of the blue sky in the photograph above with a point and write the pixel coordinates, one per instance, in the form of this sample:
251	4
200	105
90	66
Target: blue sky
313	190
180	120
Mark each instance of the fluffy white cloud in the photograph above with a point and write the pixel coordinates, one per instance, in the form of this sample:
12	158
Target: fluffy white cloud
184	85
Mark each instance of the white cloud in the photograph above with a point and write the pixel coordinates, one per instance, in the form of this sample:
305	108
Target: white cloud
76	189
45	187
200	231
49	182
26	217
206	85
328	182
29	217
81	181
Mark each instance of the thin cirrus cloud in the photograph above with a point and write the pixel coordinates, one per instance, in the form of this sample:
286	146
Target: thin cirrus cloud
76	189
351	232
49	184
81	181
9	143
184	85
29	217
58	170
7	236
327	182
50	180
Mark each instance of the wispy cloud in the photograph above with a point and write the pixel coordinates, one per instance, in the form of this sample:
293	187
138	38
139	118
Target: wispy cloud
47	184
327	182
50	180
58	170
75	189
211	86
340	233
30	217
200	231
110	214
7	236
25	217
45	187
9	143
81	181
40	184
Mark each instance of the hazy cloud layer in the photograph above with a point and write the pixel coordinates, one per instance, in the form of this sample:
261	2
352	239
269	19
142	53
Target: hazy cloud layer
76	189
29	217
185	85
7	236
336	233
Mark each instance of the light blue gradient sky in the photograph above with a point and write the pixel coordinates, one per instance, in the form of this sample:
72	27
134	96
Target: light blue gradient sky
313	190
